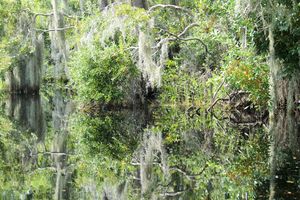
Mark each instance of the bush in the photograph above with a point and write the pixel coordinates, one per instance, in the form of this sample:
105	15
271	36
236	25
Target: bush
249	72
102	74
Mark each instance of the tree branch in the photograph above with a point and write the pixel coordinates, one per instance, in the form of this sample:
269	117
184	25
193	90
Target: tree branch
187	28
51	153
36	14
218	89
199	40
58	29
172	194
48	14
169	6
180	35
215	102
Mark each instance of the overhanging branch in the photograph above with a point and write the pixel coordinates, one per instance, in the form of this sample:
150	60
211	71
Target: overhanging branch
187	28
180	37
199	40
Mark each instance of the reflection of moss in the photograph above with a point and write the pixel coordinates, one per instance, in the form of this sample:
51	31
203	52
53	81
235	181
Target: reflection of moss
230	162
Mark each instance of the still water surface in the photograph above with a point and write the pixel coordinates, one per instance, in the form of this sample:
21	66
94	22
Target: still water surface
51	149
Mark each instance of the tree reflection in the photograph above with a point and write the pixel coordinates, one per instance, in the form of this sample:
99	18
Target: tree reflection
285	156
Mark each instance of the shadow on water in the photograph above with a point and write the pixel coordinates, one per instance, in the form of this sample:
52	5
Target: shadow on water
50	150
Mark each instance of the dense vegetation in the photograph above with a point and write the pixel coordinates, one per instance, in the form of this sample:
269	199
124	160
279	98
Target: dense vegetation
123	54
203	71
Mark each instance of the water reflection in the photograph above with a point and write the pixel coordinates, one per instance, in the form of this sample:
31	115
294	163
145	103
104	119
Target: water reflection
174	157
27	111
63	107
38	125
285	157
50	150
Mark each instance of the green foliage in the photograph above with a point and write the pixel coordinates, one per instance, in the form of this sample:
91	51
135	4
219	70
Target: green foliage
248	72
104	146
231	163
117	140
180	86
284	17
200	149
103	69
102	74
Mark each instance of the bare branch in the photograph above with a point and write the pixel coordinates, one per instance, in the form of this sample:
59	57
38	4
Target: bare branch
72	17
51	153
168	32
218	89
182	172
58	29
172	194
37	14
191	176
183	32
187	28
180	35
199	40
48	14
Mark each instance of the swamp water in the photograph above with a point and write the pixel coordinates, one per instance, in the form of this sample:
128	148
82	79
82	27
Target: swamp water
51	150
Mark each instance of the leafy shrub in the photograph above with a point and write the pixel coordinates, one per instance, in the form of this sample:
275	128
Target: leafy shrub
179	85
248	72
102	74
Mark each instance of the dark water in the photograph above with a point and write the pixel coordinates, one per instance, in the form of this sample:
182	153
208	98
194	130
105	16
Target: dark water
50	149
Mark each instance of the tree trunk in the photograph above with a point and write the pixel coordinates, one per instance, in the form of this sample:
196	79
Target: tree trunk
81	5
61	111
174	2
140	4
58	42
103	4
